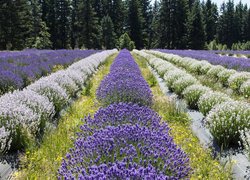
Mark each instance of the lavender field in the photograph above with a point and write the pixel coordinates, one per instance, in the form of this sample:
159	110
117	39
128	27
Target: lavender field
104	115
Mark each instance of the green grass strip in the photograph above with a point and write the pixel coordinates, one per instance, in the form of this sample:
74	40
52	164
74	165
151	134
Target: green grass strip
43	162
202	163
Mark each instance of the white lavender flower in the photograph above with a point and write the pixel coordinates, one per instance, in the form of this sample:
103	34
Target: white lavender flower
183	82
237	79
210	99
171	76
194	67
227	120
20	121
77	76
193	93
165	67
224	75
214	71
143	54
205	67
65	82
52	90
38	103
245	88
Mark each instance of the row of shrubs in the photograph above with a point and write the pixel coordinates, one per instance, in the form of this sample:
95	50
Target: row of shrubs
239	82
227	120
25	114
125	139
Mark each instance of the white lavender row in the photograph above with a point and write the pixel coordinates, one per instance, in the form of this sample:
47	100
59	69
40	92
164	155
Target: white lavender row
237	81
24	114
226	119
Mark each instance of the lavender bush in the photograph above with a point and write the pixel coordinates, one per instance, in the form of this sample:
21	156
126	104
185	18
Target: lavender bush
224	75
214	71
210	99
125	151
122	113
193	93
173	75
52	90
226	121
236	80
20	124
245	88
182	83
124	83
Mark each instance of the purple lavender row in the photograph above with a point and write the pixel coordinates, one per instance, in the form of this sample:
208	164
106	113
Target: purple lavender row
19	69
25	114
240	64
124	83
232	52
124	140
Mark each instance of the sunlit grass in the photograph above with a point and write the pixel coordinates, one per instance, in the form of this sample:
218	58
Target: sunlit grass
202	163
43	162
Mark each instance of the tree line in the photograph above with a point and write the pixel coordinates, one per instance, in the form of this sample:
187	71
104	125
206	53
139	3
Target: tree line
102	24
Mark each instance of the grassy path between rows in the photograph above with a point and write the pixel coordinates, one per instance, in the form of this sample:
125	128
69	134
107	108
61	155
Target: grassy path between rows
43	162
203	165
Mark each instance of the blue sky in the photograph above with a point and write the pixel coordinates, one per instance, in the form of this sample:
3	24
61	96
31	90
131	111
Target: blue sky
219	2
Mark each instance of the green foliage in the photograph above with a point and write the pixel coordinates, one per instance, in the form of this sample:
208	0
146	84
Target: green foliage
210	13
135	20
172	24
108	35
125	42
195	28
90	33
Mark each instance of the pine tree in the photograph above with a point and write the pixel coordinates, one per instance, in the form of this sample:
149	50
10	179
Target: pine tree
153	38
90	31
118	17
62	12
247	29
227	28
195	28
39	35
135	21
126	42
49	17
210	13
240	12
108	35
172	19
146	11
74	33
246	25
15	24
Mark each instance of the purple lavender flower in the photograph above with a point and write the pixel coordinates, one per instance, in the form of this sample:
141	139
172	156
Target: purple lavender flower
124	83
125	151
122	113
